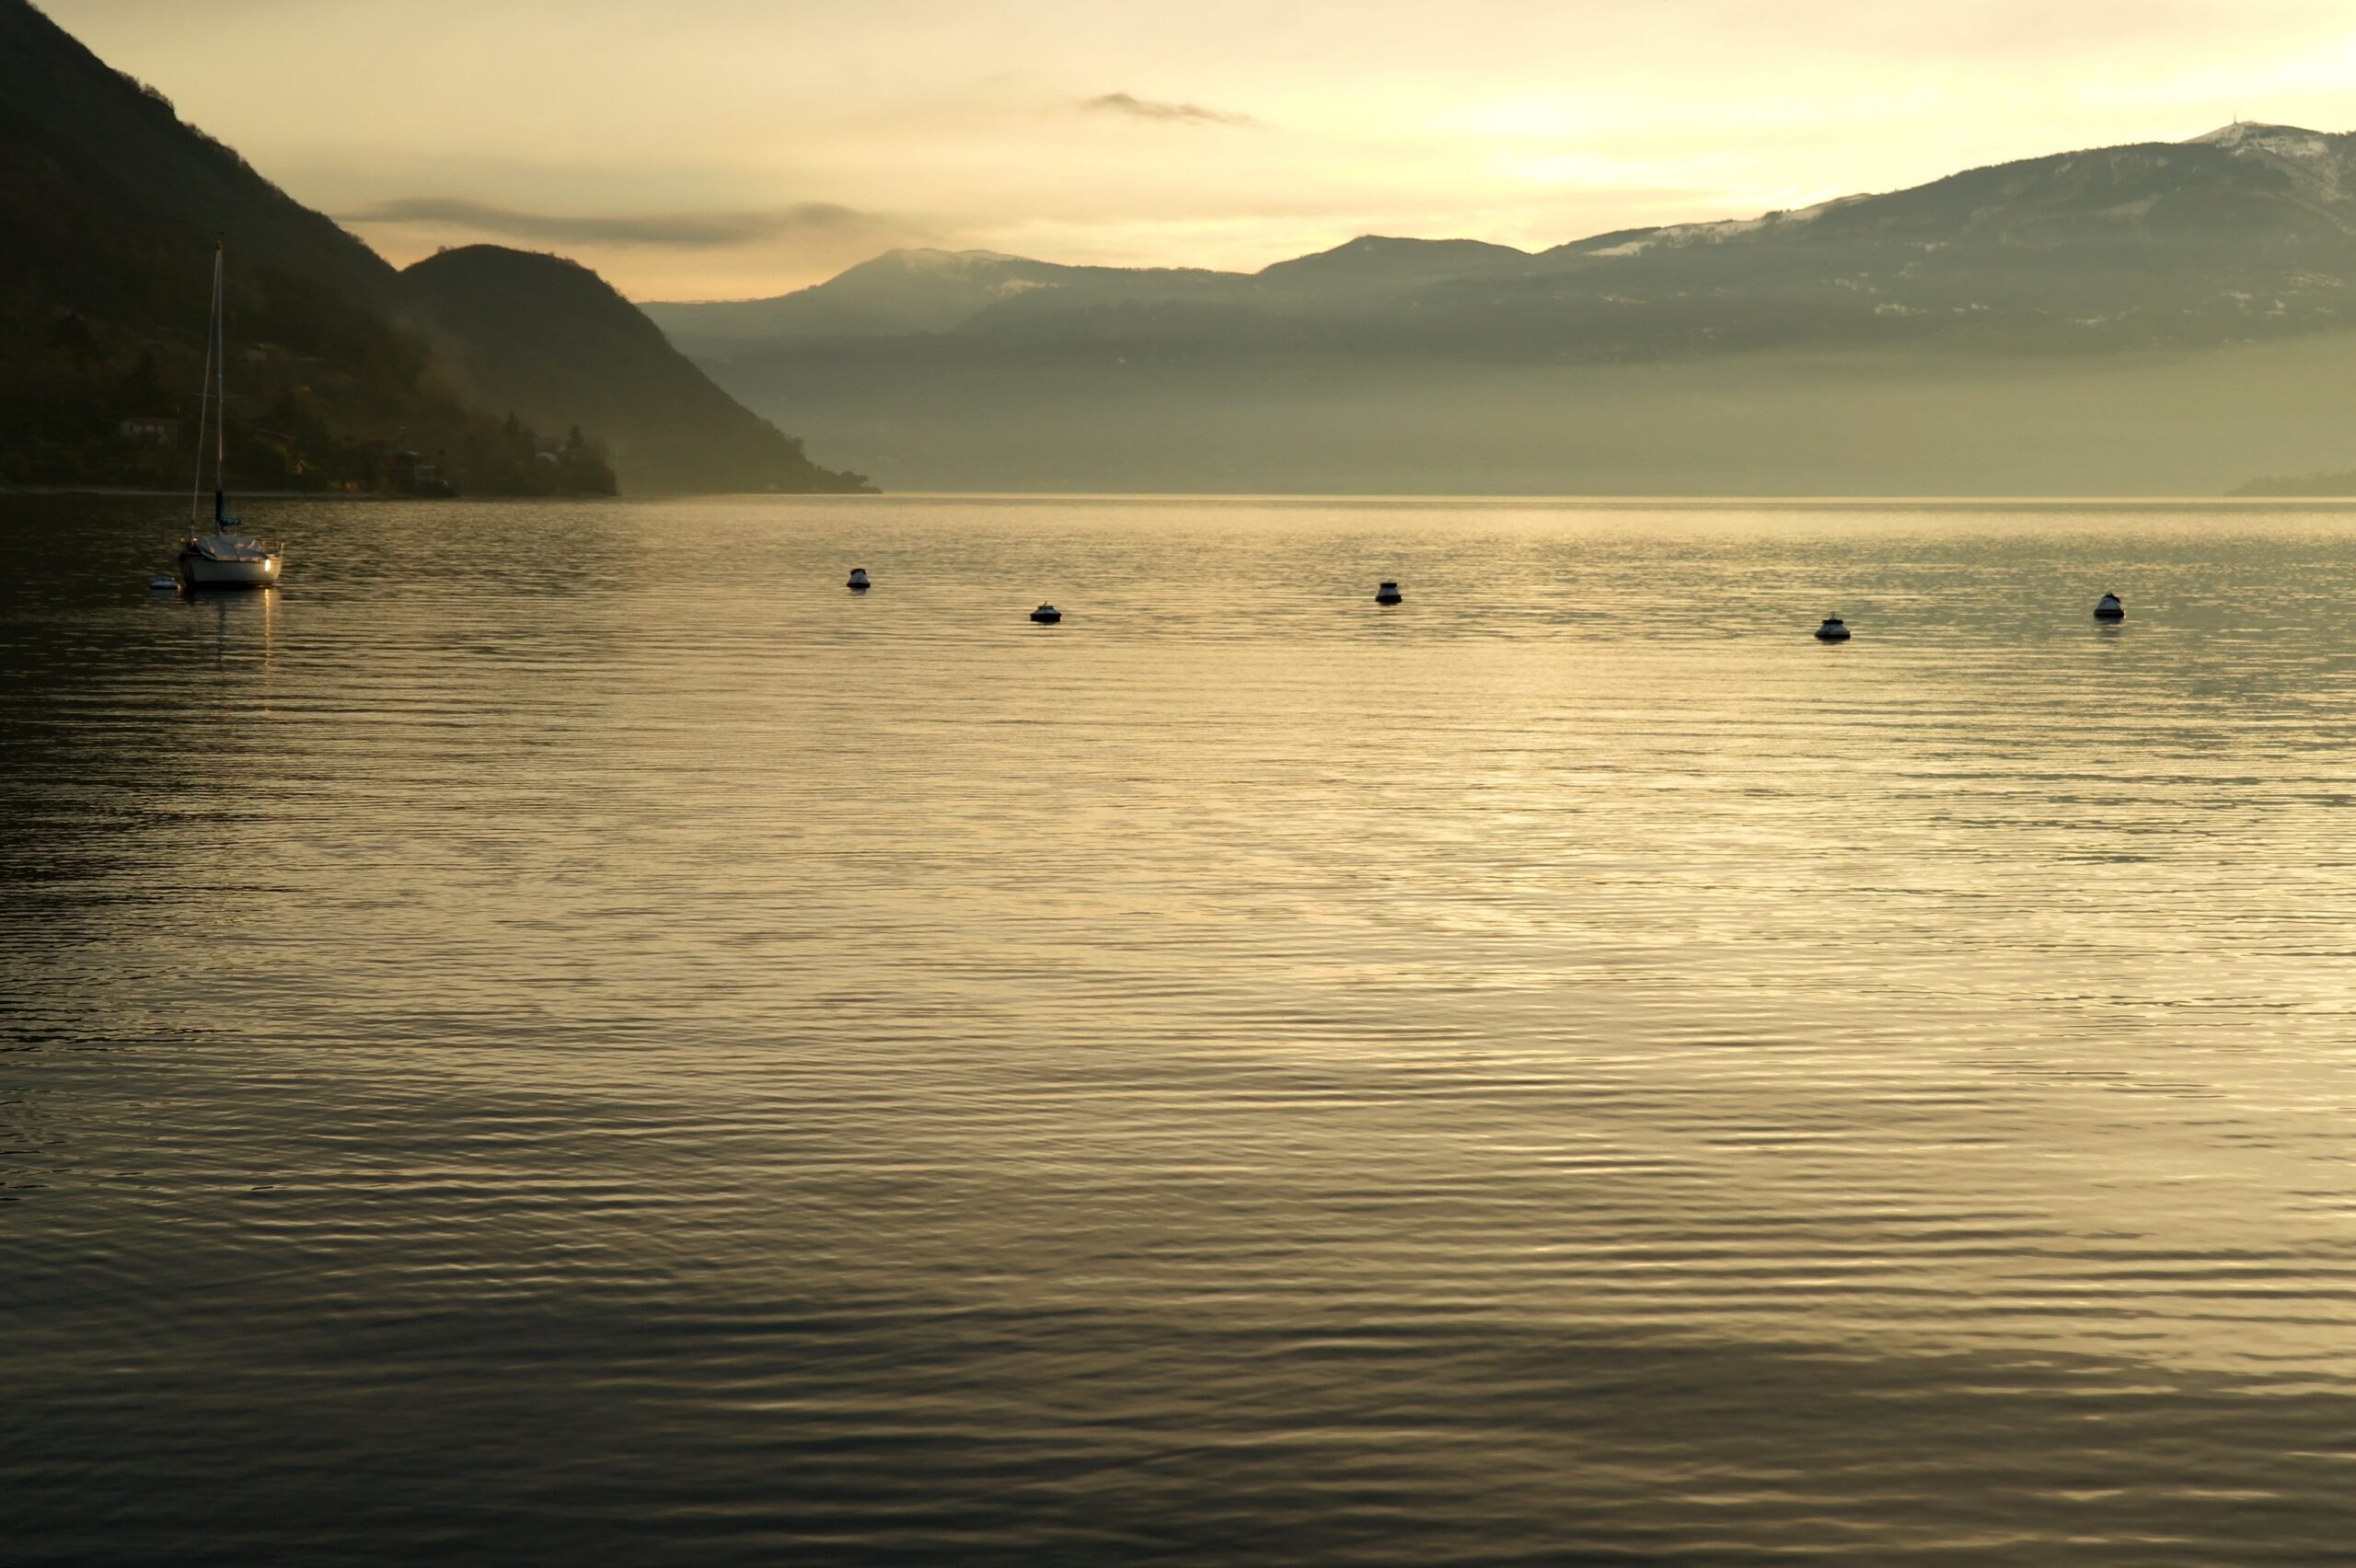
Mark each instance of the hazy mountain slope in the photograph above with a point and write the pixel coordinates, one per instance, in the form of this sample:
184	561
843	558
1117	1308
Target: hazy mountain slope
901	291
1944	308
1375	265
2233	189
905	291
551	340
2247	232
1890	421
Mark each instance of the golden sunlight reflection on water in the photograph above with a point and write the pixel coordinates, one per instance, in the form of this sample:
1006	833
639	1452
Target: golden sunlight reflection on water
671	1060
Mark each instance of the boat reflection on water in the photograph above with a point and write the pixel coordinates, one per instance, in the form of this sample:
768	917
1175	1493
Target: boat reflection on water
240	623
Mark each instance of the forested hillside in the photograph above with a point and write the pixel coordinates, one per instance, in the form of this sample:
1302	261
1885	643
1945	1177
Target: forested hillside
111	206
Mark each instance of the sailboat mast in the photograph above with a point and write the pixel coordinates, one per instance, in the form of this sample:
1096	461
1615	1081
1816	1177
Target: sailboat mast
204	408
219	390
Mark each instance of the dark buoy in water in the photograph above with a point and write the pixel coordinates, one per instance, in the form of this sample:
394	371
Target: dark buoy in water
2110	608
1833	630
1388	595
1046	614
857	583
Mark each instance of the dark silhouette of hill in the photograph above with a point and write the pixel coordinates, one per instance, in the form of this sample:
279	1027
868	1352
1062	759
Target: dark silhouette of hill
109	209
552	339
110	206
1966	300
104	190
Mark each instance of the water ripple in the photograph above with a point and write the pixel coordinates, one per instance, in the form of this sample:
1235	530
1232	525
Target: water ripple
630	1053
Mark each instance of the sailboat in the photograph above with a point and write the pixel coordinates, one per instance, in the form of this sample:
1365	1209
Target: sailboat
225	557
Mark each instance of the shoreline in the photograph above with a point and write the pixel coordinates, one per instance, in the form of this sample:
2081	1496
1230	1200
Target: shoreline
1496	497
119	492
136	493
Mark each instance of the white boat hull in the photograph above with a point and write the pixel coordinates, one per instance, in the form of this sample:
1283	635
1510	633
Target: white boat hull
200	571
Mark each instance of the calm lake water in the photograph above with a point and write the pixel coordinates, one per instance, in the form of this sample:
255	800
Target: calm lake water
564	1036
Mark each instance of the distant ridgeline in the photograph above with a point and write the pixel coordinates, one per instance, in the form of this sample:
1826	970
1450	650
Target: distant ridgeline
490	371
2161	317
2320	485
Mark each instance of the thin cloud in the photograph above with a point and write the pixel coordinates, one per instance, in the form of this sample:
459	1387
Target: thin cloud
1137	108
677	231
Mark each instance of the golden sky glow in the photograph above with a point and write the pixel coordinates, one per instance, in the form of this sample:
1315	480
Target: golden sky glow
725	148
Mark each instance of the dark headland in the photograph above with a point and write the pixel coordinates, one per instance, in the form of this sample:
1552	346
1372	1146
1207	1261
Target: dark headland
491	370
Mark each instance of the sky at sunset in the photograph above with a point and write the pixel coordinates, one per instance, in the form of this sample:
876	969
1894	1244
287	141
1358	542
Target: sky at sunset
728	148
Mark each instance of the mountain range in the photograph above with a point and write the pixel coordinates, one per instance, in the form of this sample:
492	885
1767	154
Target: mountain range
507	372
2157	316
